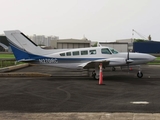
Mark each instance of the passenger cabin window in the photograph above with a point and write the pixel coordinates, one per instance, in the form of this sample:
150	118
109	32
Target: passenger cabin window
68	53
105	51
62	54
92	52
85	52
76	53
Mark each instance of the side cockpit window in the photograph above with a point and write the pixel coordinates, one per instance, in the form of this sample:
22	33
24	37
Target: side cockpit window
105	51
113	51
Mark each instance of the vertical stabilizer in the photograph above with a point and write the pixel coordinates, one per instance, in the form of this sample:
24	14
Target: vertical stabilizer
22	47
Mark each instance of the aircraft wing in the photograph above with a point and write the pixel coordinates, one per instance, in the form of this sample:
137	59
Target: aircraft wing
105	62
92	64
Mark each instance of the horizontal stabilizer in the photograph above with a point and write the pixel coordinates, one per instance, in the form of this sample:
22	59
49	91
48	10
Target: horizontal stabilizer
26	60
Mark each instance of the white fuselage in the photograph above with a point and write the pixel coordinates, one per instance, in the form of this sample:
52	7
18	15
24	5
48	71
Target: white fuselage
26	50
73	57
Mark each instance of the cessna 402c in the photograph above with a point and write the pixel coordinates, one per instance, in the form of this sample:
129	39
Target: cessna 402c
85	58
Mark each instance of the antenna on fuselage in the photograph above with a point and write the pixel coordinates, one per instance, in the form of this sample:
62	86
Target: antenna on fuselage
128	57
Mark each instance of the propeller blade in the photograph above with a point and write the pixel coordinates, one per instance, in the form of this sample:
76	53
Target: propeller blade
128	58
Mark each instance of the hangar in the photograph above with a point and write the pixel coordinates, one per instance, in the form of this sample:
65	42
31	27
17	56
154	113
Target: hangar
121	47
55	43
3	48
3	44
70	43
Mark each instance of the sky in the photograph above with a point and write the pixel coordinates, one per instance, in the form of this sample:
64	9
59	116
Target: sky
97	20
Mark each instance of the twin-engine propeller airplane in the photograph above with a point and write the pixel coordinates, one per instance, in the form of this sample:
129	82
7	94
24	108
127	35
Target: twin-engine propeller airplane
26	50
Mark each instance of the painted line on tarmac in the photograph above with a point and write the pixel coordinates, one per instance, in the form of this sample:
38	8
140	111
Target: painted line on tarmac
140	102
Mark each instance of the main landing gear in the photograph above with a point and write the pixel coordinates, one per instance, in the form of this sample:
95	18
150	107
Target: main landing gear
95	75
113	69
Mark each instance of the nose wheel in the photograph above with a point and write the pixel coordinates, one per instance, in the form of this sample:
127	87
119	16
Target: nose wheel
139	74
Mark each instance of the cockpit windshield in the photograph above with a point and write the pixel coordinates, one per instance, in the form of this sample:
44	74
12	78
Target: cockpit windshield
113	51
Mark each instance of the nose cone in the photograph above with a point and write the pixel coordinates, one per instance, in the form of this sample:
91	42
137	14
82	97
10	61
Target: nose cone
152	58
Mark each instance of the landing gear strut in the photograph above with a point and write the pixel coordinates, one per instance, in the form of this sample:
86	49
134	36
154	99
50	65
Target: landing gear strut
113	69
139	74
94	75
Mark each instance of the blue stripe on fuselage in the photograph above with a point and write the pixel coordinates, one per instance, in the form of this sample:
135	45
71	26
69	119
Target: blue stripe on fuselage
22	54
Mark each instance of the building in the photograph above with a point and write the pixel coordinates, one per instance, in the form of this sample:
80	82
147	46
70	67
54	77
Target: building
3	48
141	46
4	45
121	47
129	41
56	43
70	43
4	40
43	40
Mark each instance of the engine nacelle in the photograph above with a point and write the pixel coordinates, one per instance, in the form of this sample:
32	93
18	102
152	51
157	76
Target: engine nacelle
117	61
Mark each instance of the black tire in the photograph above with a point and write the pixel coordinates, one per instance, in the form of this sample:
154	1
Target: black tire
93	73
139	74
113	69
96	77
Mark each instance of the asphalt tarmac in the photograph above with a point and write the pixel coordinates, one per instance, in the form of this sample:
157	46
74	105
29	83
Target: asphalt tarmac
123	92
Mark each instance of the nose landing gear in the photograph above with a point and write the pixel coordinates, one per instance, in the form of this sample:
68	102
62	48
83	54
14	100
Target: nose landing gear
139	74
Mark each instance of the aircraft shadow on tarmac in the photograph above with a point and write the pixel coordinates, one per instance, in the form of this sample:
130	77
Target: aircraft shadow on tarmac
115	78
129	80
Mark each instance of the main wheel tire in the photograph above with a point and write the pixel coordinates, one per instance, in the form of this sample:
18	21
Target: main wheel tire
93	73
139	74
96	77
113	69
